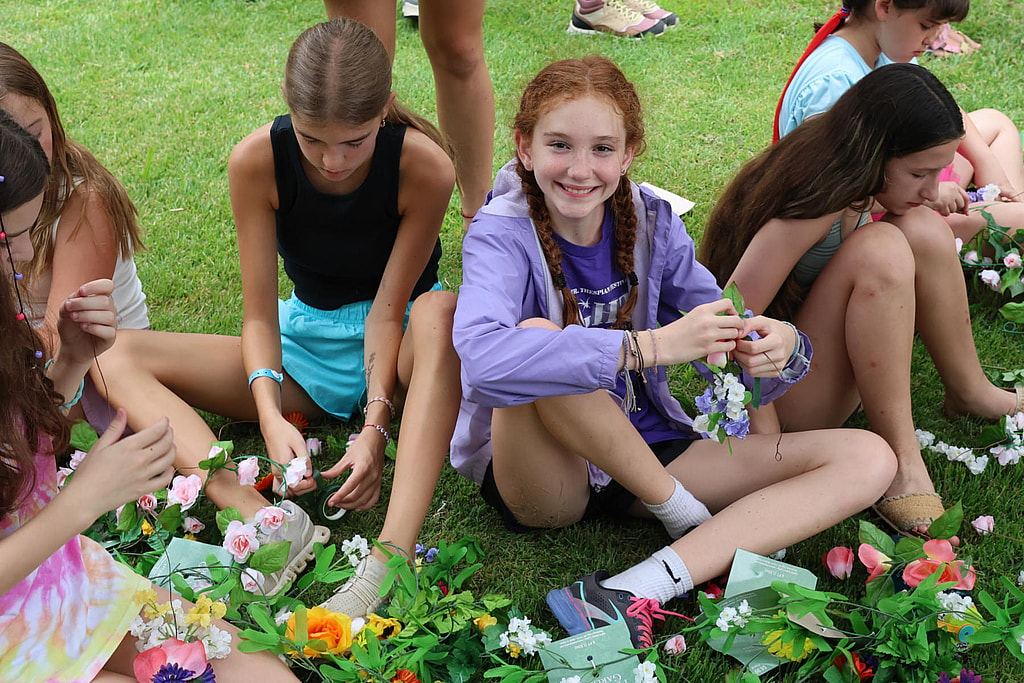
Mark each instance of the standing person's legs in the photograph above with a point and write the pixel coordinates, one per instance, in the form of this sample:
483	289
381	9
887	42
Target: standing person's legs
452	33
379	15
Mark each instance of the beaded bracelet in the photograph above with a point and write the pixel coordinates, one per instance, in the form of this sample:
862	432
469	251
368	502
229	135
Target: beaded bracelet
382	399
382	430
78	395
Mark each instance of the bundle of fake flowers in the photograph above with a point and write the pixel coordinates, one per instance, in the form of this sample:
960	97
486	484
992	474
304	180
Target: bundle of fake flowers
995	252
175	644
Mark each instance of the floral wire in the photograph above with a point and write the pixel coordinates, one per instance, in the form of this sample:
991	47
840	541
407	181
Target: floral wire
778	443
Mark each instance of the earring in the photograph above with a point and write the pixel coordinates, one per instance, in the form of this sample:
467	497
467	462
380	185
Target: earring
623	171
383	122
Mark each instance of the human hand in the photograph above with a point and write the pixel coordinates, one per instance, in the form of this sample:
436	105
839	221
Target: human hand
952	199
767	355
364	460
284	444
87	321
710	328
117	471
1009	194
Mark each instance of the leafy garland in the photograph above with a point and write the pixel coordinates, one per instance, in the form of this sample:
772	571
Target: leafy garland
1001	271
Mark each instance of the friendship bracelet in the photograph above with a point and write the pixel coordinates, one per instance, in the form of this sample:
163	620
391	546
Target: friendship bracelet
654	346
638	353
266	372
382	399
796	345
78	395
382	430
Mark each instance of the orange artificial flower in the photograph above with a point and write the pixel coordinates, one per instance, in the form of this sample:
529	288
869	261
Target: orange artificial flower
405	676
299	421
333	628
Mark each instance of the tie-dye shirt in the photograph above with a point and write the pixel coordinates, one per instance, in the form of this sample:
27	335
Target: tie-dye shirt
63	621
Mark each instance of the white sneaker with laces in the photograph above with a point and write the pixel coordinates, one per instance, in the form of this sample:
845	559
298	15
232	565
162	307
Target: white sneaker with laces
302	534
359	595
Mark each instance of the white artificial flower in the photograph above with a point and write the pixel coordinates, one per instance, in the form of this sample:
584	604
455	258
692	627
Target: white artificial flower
356	548
778	555
924	438
648	673
217	643
978	464
989	193
991	278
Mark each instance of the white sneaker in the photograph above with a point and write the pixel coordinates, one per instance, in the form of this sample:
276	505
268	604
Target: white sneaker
359	596
411	9
302	534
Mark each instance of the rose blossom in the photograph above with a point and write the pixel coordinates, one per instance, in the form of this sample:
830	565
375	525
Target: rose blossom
295	471
248	470
252	580
192	525
240	540
313	446
984	524
971	257
76	459
1012	260
184	490
270	518
147	502
676	645
990	278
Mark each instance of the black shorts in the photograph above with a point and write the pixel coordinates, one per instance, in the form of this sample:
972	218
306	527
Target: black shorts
613	499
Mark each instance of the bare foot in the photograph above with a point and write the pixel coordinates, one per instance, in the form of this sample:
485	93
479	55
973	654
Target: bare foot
992	404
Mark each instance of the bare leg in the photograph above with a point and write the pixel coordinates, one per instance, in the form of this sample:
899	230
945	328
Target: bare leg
428	370
1003	138
860	318
944	321
1008	215
452	34
237	667
762	504
157	374
379	15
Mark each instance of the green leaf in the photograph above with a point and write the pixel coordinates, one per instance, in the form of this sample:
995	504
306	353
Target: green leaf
872	535
226	516
1013	311
129	517
83	436
171	518
271	557
948	524
732	293
261	615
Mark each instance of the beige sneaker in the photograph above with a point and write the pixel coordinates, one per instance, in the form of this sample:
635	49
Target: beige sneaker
614	17
302	534
651	10
359	596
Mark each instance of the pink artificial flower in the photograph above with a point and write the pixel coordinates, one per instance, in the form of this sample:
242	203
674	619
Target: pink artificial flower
117	513
876	562
676	645
984	524
76	459
717	359
971	257
313	446
214	452
1012	260
270	518
240	540
939	558
839	562
296	470
185	490
62	476
959	244
252	580
991	278
192	525
248	471
188	656
147	502
1005	456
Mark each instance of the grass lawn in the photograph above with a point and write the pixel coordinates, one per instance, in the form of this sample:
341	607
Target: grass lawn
161	90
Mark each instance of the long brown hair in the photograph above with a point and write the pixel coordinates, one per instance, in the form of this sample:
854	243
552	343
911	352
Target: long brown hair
339	72
70	162
830	162
942	10
28	402
556	84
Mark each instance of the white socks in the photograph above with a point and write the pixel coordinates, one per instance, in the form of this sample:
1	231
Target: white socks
680	512
661	576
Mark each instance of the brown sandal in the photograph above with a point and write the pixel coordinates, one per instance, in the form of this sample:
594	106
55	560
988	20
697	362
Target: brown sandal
908	511
950	42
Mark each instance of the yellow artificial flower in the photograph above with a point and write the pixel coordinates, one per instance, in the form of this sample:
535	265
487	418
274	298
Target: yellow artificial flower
145	596
147	528
783	650
484	620
190	537
333	628
205	611
383	628
513	650
154	609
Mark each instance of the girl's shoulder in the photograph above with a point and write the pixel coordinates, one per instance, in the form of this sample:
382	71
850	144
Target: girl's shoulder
424	163
253	155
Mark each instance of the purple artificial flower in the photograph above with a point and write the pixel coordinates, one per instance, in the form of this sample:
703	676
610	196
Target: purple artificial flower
738	428
705	402
967	676
172	673
431	554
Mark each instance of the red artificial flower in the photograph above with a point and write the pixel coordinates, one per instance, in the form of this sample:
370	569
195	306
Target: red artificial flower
939	558
839	562
299	421
404	676
171	653
443	586
865	672
265	483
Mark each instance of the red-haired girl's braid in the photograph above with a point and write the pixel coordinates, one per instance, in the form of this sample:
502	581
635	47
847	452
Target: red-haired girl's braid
624	218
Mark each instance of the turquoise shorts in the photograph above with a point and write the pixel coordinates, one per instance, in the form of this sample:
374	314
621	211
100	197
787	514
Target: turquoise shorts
323	352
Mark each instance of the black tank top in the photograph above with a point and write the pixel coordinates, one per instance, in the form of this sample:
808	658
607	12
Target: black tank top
335	247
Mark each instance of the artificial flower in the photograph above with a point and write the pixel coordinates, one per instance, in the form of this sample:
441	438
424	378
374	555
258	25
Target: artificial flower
147	528
76	459
1012	260
205	611
874	560
864	669
333	628
192	525
971	257
62	478
296	470
147	502
297	420
991	278
939	557
966	676
248	471
784	650
313	446
252	580
571	679
734	616
989	193
270	518
382	627
484	620
404	676
173	660
984	524
676	645
356	548
240	540
778	555
646	672
839	562
185	491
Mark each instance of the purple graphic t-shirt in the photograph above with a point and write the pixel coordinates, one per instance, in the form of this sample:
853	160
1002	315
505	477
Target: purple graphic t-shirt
600	291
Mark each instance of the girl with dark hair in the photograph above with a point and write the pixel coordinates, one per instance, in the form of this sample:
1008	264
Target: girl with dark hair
350	189
792	230
575	280
65	603
866	34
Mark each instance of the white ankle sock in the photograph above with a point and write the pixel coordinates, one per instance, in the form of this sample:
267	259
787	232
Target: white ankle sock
661	576
680	512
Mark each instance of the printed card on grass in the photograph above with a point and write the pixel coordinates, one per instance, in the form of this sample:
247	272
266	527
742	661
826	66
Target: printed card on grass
183	554
597	653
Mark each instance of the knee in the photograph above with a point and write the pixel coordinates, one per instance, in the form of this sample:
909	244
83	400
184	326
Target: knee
434	310
458	56
881	255
542	323
873	460
928	235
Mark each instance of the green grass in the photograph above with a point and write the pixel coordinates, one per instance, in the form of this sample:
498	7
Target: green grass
162	90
